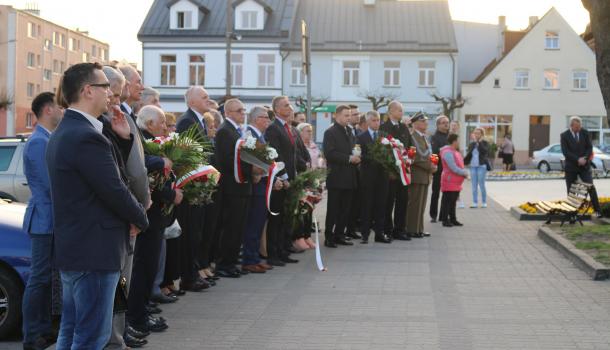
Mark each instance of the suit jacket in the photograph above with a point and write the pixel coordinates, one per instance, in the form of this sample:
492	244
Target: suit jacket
38	215
337	147
121	148
572	150
400	132
421	169
226	137
134	164
277	136
371	172
92	206
187	120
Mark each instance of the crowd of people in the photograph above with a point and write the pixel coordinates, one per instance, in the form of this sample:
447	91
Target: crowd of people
119	253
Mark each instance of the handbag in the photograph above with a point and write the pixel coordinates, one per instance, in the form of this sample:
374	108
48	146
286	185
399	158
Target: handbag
488	165
120	296
172	231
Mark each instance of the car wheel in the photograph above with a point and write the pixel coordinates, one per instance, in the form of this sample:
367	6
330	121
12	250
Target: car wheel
544	167
4	195
11	294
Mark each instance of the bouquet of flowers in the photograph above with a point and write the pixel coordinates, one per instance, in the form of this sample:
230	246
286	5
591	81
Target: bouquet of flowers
304	193
252	148
199	185
381	152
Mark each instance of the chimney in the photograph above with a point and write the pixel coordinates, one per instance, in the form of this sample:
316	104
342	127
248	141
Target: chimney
501	30
32	7
369	2
533	20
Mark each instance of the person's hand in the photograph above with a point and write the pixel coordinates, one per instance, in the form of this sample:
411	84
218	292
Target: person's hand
434	168
133	230
119	124
582	161
285	184
354	159
256	178
167	163
179	196
278	185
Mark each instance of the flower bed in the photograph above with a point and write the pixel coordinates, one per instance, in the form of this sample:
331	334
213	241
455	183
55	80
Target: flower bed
523	175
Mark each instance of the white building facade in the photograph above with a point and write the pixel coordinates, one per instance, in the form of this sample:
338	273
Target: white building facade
531	92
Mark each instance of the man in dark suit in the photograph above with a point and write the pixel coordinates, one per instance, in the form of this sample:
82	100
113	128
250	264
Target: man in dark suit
338	146
93	211
283	137
353	221
395	225
235	194
198	101
578	150
38	223
258	121
374	183
438	140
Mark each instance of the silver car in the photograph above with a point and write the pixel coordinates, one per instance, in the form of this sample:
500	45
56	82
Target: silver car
551	158
13	184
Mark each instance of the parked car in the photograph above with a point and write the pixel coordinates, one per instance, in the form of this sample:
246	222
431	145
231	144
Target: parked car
13	183
551	158
15	258
605	148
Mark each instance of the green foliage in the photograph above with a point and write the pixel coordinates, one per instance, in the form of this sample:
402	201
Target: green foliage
593	245
308	180
382	154
605	210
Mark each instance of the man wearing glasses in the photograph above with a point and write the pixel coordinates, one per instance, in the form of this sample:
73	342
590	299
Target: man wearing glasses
94	211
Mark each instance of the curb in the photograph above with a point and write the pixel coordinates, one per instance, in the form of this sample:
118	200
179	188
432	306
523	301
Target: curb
522	215
601	221
582	260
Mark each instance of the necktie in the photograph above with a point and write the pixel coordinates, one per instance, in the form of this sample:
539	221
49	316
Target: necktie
576	134
374	135
240	132
289	133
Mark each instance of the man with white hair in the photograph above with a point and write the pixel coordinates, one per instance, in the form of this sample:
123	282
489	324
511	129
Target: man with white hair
577	148
151	121
149	96
397	193
438	141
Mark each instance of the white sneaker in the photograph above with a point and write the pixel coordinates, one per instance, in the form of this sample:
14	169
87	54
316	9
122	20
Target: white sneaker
460	205
484	205
474	205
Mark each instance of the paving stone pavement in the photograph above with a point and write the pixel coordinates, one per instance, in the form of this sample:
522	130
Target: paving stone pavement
491	284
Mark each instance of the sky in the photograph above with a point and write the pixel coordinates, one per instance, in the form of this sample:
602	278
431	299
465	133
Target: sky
117	21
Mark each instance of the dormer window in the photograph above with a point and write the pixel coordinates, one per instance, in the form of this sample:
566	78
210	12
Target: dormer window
183	20
251	14
186	14
248	20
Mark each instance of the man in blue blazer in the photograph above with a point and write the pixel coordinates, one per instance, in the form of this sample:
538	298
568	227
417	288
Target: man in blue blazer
93	211
38	223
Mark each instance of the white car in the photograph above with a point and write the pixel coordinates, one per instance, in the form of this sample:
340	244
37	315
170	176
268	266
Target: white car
550	158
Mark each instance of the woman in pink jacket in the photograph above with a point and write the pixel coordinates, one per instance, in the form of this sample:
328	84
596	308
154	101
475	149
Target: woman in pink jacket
452	178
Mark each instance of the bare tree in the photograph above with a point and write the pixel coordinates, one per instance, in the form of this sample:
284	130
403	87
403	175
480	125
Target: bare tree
5	100
316	102
378	99
450	104
599	13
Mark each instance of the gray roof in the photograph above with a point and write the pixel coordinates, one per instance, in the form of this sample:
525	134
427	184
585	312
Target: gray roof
388	25
213	25
335	25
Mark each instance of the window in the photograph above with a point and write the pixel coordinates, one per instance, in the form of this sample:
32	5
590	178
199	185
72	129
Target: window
72	44
85	56
184	19
522	79
32	30
55	38
38	61
237	70
297	76
47	74
6	156
105	55
496	82
59	39
197	70
93	51
266	70
30	90
426	73
249	20
47	44
551	79
580	79
495	126
168	70
29	120
555	149
61	66
31	60
351	73
391	73
551	40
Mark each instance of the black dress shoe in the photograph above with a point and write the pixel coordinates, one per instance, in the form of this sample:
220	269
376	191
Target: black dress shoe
288	260
276	262
365	240
196	286
163	299
211	281
243	272
135	333
433	220
133	342
402	236
456	223
330	244
228	273
416	235
151	326
447	224
343	241
382	239
153	310
353	235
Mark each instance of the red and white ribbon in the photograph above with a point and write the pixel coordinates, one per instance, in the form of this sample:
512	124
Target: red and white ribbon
237	172
271	174
402	168
203	170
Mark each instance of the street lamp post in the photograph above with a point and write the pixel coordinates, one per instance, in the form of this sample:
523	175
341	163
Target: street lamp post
228	38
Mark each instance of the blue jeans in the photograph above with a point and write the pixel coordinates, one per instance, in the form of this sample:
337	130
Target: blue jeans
37	296
477	175
88	299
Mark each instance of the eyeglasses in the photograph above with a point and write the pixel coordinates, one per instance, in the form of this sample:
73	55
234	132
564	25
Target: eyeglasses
263	116
102	85
240	111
